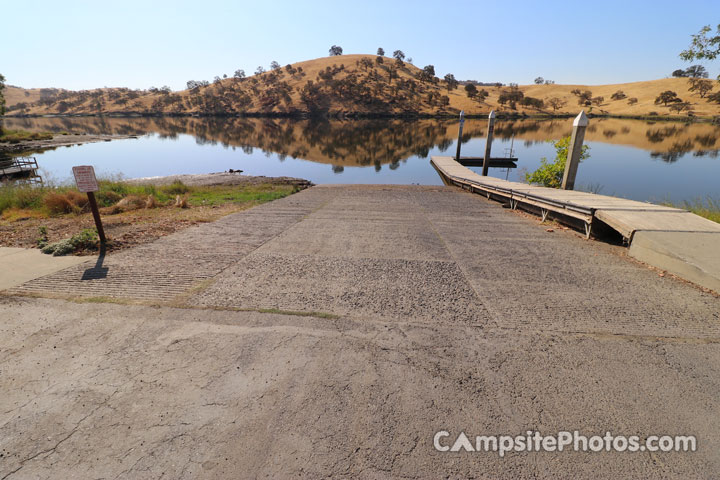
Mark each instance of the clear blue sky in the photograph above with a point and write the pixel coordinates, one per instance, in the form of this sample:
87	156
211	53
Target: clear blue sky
138	44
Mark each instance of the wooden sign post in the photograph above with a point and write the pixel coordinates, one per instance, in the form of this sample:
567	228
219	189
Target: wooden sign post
574	151
488	142
462	122
87	182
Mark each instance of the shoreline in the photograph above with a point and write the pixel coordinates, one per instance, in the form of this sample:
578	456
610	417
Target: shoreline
370	116
214	179
60	140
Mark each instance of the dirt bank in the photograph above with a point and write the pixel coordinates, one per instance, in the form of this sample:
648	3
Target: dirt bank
59	141
219	178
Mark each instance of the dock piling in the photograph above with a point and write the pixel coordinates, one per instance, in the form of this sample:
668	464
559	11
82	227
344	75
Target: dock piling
574	151
459	142
488	142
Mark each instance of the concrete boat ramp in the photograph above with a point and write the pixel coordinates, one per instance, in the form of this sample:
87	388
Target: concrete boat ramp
332	333
672	239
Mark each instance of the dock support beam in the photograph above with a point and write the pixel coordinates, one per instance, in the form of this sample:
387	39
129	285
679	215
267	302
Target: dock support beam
488	142
462	122
574	151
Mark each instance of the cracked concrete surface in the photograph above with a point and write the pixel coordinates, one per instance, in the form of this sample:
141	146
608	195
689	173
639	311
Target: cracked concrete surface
452	314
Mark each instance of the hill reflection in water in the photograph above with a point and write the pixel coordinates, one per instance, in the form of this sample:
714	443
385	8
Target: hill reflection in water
636	159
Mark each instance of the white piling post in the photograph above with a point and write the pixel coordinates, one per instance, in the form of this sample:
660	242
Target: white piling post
488	142
462	122
574	151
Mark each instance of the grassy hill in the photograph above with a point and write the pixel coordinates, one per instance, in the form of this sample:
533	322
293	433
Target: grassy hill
359	85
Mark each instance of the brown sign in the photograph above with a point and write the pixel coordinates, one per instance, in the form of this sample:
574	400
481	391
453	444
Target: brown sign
85	178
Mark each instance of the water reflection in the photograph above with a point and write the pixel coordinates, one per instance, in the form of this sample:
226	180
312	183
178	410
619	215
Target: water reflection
339	143
373	143
637	159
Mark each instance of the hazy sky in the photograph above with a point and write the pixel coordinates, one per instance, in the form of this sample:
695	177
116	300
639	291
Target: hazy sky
138	44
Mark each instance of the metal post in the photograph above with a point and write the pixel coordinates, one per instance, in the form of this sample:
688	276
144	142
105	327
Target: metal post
488	142
96	216
462	122
574	151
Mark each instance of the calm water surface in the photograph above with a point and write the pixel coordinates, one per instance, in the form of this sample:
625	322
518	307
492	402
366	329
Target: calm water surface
629	158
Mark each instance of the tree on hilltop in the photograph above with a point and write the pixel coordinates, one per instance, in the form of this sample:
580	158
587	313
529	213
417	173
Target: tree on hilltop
539	81
584	96
239	74
702	86
681	106
365	63
335	50
471	90
668	96
274	65
451	82
381	52
696	71
427	74
556	103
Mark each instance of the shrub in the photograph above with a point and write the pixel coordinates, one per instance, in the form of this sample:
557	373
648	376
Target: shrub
107	198
551	174
28	197
176	188
57	203
77	199
42	240
116	187
85	240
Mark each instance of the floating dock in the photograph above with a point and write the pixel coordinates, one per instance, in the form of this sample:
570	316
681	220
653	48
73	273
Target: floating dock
669	238
22	169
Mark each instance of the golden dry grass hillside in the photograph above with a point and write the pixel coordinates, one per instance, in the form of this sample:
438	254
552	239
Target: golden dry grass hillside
364	85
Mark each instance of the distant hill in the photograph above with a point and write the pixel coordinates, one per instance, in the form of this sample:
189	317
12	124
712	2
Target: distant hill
360	85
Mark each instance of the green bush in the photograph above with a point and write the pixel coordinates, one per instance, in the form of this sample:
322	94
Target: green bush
119	188
176	188
42	240
85	240
107	198
551	174
12	196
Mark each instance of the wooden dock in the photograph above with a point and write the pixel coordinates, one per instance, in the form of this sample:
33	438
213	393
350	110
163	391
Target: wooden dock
23	169
623	215
495	162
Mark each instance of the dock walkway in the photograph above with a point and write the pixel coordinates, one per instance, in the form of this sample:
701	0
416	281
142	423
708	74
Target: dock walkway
669	238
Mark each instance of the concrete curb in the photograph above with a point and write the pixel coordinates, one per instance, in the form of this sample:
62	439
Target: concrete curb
685	254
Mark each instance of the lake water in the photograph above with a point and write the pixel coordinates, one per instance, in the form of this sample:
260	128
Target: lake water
641	160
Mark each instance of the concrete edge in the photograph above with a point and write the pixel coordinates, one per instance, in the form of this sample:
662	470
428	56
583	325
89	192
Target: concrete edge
648	250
